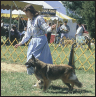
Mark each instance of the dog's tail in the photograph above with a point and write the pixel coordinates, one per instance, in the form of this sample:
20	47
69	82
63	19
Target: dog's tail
74	78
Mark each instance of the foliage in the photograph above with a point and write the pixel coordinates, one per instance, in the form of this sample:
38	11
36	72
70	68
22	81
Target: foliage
84	12
73	9
7	20
88	13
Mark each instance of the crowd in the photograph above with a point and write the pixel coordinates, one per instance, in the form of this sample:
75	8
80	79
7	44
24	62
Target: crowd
63	31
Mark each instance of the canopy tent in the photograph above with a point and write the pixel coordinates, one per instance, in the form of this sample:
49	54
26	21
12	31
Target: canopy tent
15	14
60	12
7	5
16	5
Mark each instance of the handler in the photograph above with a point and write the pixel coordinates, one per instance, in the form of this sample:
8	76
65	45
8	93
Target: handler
37	28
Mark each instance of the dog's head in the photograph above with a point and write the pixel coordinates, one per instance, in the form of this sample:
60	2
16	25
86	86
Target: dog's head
31	62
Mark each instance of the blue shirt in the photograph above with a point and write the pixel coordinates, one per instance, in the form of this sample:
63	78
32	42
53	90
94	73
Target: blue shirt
36	27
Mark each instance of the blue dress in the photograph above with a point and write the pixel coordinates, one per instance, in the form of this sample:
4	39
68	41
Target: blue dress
38	46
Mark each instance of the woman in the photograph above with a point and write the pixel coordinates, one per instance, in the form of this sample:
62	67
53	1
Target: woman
37	28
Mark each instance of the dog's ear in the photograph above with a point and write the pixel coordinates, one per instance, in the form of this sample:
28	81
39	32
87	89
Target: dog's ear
33	58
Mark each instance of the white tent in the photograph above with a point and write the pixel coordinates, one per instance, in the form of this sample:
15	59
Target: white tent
61	12
18	12
13	5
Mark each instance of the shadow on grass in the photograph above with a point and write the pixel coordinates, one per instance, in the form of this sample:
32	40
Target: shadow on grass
64	90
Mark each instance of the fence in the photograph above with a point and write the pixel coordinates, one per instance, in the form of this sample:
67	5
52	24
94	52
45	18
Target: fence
84	56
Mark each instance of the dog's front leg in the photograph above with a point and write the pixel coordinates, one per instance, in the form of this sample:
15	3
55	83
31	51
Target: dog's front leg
70	87
37	77
46	84
39	83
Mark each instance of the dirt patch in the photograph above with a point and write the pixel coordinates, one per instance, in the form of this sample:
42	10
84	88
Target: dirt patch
13	67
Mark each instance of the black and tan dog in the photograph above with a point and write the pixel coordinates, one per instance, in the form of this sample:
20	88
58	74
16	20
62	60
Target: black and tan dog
48	72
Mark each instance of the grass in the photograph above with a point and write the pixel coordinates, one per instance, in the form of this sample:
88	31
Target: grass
20	84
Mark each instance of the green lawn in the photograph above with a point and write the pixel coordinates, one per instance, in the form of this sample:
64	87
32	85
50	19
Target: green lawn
20	84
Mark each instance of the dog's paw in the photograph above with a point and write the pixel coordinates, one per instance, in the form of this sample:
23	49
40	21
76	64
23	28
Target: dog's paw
70	89
44	91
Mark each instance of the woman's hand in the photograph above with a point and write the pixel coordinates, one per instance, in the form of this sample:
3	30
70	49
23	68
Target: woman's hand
17	45
53	26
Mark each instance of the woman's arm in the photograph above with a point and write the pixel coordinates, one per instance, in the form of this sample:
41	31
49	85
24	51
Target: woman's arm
42	24
26	37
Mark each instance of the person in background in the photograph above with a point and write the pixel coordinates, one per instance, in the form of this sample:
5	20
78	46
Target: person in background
23	33
64	29
37	28
77	26
49	34
58	32
2	24
14	34
79	32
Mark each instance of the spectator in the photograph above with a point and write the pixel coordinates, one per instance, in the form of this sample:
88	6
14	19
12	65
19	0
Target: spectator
49	34
77	26
23	33
2	24
14	34
58	32
79	32
64	29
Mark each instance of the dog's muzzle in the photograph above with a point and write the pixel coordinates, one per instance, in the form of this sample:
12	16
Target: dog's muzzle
30	70
28	66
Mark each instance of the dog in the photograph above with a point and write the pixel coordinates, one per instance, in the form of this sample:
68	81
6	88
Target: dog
46	73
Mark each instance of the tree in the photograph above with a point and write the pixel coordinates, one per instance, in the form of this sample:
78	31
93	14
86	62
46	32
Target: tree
88	14
83	11
73	9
